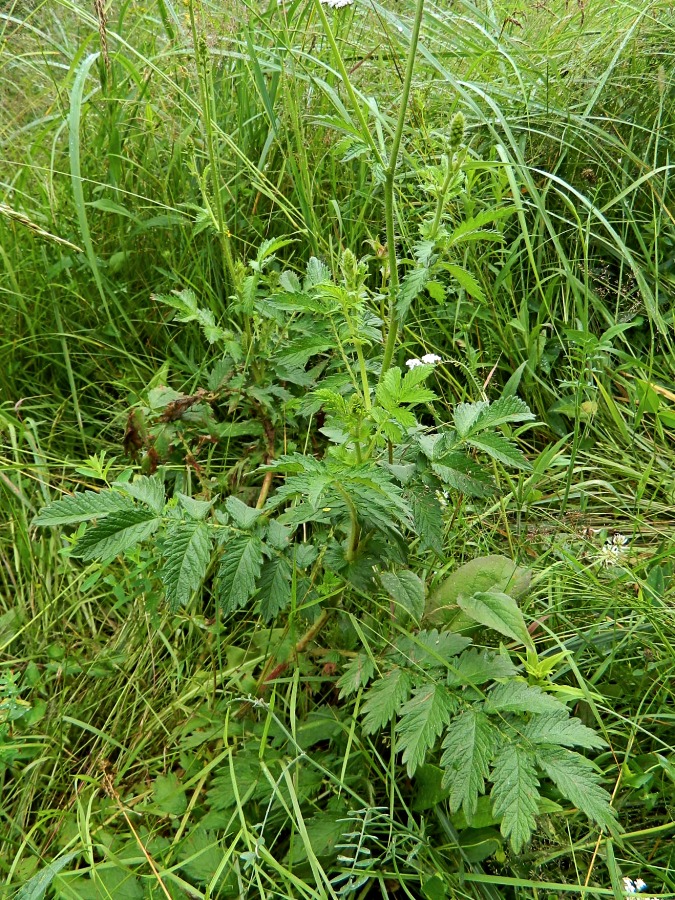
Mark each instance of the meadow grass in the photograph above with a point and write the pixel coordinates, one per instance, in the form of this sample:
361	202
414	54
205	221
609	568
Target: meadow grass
213	128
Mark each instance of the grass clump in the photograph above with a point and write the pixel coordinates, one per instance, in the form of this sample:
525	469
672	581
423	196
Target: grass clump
336	450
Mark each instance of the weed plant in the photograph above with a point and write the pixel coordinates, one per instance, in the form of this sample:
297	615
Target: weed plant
337	470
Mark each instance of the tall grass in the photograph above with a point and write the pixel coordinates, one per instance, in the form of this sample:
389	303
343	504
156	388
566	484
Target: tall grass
215	128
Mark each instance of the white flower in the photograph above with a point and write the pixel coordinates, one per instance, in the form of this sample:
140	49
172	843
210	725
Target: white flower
612	554
337	4
442	497
628	886
640	885
429	359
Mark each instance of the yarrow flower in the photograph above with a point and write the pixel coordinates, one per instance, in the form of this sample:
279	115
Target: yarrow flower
337	4
429	359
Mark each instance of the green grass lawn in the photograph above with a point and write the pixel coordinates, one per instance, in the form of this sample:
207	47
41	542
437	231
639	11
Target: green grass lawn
171	174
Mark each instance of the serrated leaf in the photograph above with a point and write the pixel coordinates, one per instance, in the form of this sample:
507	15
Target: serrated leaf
515	794
428	520
317	273
290	282
274	587
506	409
430	649
168	795
297	352
148	490
239	570
475	667
243	516
278	535
407	590
517	696
460	473
412	285
411	387
384	698
356	675
465	416
118	532
560	728
501	449
469	746
466	280
187	553
498	611
387	391
421	721
576	779
196	509
82	506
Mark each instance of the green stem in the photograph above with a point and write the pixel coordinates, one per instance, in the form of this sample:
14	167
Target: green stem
355	530
441	200
390	174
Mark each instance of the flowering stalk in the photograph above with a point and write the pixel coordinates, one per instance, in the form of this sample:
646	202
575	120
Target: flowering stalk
390	173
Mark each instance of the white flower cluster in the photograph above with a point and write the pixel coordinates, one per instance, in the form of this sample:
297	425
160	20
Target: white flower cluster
614	550
337	4
442	497
637	886
429	359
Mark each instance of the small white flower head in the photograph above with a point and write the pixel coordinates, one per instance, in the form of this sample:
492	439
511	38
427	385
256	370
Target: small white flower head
640	885
413	363
628	885
430	359
612	554
337	4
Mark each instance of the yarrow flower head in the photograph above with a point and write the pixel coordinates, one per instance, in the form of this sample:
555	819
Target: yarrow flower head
637	886
337	4
429	359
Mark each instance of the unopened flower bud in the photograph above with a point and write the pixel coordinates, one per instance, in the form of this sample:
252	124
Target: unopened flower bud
456	130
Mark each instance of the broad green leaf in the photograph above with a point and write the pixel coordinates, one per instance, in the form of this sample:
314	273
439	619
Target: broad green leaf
82	506
484	573
187	553
498	611
407	590
421	721
148	490
118	532
560	728
517	696
356	675
515	794
274	587
384	698
501	449
239	570
576	779
168	795
243	516
469	745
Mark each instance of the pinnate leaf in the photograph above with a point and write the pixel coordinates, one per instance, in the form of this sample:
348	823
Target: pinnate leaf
422	720
187	552
517	696
118	532
469	746
515	794
498	611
